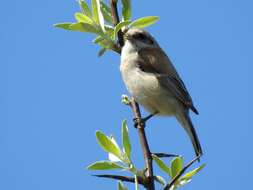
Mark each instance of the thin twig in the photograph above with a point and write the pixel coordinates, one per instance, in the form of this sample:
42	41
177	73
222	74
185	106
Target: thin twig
165	155
169	185
124	178
144	144
116	20
136	112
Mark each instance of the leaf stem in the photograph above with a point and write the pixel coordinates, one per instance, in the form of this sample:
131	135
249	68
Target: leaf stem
123	178
169	185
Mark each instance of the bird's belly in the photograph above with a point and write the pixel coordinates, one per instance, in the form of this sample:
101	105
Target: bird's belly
147	91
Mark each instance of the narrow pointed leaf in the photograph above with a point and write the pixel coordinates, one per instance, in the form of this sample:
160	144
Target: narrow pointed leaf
176	166
100	16
136	182
102	52
125	138
104	165
84	27
160	180
80	17
181	183
63	25
85	8
121	186
119	26
111	156
108	44
98	39
190	174
114	141
105	6
162	165
106	11
144	22
109	28
97	13
126	10
107	144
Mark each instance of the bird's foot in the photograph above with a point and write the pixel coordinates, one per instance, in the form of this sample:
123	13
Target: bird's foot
142	121
138	122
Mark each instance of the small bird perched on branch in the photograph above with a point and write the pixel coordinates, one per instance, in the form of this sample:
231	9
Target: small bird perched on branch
154	82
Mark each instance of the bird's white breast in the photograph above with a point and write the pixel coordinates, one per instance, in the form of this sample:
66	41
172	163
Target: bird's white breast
144	87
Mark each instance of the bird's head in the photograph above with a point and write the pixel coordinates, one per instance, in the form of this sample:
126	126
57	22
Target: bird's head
140	38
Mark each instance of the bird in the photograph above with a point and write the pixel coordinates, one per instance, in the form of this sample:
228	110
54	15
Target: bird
153	81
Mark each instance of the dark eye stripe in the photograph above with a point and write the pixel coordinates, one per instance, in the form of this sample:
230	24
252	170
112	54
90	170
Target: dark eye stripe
143	38
140	36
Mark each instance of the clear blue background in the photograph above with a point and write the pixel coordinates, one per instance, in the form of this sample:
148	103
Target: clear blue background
55	92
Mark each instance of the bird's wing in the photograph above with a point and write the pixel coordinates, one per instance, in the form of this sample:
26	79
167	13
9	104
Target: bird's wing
157	62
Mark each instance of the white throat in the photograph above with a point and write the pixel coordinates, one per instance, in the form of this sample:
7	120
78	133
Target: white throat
127	50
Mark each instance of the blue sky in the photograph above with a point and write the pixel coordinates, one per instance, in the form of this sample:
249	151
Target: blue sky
55	92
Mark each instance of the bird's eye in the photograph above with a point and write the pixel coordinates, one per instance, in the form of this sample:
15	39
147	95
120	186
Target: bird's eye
142	37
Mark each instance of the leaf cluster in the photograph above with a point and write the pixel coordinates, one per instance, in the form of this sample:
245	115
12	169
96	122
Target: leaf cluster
97	20
120	159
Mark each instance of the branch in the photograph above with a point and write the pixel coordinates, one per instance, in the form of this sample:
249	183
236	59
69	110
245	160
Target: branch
169	185
116	20
144	144
136	111
124	178
165	155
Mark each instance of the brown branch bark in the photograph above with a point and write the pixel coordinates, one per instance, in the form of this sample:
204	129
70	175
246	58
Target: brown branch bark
136	112
165	155
144	144
123	178
116	20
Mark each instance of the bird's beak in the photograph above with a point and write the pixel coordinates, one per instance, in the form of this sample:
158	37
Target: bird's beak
127	37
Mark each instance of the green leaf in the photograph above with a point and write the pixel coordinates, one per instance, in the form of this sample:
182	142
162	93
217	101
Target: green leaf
105	6
107	144
121	186
98	39
106	44
65	25
161	165
190	174
136	182
181	183
84	27
102	52
126	10
144	22
80	17
106	11
176	166
104	165
160	180
125	99
85	8
119	26
97	13
125	138
109	28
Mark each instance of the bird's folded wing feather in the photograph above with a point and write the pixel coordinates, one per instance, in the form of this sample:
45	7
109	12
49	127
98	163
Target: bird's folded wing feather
157	62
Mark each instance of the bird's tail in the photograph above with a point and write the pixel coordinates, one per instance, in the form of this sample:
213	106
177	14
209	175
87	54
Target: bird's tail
186	122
